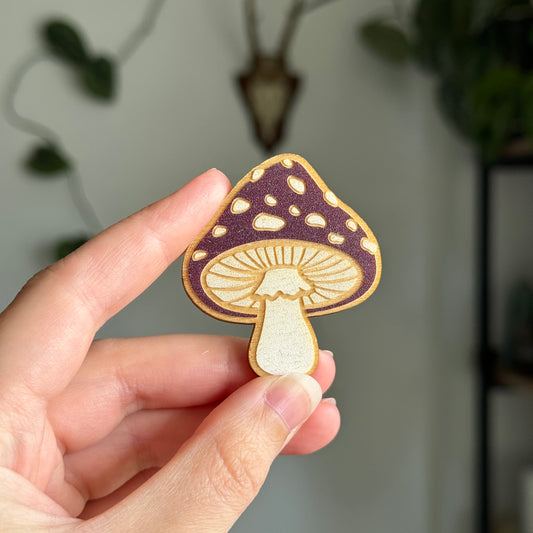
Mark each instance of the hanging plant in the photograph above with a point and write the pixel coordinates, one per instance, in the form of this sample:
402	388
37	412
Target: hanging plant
47	160
97	75
481	54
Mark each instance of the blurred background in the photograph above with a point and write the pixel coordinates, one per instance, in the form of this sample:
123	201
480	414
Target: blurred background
408	382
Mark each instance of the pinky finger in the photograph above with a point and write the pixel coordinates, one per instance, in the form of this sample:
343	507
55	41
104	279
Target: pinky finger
317	432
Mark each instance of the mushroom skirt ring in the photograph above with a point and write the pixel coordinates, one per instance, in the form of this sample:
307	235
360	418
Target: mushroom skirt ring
281	248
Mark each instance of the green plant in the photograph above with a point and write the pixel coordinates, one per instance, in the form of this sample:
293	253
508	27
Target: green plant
96	75
481	53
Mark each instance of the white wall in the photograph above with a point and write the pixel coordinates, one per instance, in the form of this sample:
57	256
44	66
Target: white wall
402	461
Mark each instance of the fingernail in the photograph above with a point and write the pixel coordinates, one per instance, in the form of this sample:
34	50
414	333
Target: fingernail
328	352
331	400
294	398
214	171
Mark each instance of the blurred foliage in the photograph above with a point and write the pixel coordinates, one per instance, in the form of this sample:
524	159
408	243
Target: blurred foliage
98	77
527	103
66	246
65	41
387	40
481	53
96	73
47	161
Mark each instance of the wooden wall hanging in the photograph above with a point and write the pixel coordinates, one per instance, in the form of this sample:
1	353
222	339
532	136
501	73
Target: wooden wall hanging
267	85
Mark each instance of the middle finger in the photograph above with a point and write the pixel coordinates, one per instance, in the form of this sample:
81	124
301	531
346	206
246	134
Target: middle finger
122	376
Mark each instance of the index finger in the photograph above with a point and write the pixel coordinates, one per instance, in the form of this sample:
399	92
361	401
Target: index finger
46	331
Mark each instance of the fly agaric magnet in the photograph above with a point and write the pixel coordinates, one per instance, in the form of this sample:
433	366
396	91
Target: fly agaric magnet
281	248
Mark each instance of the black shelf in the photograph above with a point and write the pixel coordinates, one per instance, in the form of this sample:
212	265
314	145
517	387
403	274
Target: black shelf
504	378
490	375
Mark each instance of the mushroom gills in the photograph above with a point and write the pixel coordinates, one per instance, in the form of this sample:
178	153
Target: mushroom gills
282	282
283	341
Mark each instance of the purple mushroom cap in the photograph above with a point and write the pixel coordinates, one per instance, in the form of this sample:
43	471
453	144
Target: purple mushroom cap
281	214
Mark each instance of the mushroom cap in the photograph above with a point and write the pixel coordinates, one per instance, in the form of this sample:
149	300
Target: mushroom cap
281	215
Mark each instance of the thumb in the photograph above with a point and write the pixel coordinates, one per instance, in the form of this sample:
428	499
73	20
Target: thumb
218	472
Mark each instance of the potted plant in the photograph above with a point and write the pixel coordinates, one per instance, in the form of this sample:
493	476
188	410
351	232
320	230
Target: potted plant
481	53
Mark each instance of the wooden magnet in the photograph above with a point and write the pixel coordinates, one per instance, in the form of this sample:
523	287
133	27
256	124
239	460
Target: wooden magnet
281	248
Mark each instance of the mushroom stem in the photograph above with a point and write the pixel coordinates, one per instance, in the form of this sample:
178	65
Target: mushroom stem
283	341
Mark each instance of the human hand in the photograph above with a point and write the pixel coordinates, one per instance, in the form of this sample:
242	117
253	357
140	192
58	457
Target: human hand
170	433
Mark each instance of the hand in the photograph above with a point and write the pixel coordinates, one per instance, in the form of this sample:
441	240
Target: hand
170	433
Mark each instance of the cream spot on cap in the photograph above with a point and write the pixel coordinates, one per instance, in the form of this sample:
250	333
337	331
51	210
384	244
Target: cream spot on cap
335	238
316	220
369	246
257	174
218	231
296	184
264	222
199	254
331	199
288	163
294	211
351	224
271	200
240	205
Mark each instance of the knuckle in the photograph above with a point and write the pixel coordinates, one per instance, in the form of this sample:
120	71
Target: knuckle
153	238
236	474
43	276
62	279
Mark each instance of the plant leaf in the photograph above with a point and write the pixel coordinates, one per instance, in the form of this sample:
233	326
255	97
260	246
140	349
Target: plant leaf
451	100
47	161
98	78
426	54
66	246
385	39
485	11
431	19
527	103
65	41
494	104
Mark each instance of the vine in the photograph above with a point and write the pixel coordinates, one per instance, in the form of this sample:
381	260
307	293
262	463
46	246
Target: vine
97	77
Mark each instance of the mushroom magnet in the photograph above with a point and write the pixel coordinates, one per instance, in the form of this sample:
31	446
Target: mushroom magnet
281	248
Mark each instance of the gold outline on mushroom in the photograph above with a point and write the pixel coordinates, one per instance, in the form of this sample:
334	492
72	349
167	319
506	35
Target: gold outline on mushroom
233	195
369	245
318	309
198	255
271	200
296	184
257	174
219	231
315	220
335	238
240	205
267	222
331	198
278	280
351	224
294	211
